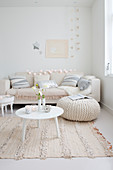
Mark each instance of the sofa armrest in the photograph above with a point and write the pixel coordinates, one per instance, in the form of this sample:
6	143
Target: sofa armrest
4	86
95	89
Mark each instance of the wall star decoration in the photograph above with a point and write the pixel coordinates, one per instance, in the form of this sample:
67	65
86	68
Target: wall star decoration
36	45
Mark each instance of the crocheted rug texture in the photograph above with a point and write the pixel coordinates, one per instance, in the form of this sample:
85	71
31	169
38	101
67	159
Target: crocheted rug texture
78	139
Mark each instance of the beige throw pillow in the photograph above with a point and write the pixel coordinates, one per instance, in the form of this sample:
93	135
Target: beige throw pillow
58	77
42	77
29	77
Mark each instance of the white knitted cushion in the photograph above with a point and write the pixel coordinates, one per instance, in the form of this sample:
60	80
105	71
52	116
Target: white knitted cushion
79	110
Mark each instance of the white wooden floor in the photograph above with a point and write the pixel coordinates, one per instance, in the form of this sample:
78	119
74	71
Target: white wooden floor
105	125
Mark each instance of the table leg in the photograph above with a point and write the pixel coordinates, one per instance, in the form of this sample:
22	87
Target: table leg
38	123
6	109
2	108
11	108
57	127
23	130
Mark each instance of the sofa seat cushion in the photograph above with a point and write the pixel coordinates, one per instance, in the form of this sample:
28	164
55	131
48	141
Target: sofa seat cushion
12	92
21	92
28	93
75	90
55	92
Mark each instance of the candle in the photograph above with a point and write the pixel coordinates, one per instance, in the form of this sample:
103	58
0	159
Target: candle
1	97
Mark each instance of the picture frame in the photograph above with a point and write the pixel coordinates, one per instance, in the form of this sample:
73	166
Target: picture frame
57	48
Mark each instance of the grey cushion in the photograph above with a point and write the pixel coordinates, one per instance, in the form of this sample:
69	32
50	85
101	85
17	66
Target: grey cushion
70	80
18	82
47	84
83	84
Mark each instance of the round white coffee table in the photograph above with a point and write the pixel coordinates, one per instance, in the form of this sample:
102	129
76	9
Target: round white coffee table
6	100
37	115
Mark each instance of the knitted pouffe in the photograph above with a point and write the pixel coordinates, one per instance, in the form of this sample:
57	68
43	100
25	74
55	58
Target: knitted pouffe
79	110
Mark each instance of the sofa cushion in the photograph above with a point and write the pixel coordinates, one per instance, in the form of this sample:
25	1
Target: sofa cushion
47	84
12	92
18	82
58	77
29	77
28	92
52	92
42	77
70	80
75	90
19	92
83	84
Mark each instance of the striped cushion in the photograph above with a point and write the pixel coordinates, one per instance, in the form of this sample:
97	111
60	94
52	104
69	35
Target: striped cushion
19	82
70	80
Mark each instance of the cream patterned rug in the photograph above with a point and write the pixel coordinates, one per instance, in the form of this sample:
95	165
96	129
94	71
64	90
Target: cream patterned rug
77	140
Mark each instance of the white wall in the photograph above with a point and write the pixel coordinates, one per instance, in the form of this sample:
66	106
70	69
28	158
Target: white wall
98	53
21	27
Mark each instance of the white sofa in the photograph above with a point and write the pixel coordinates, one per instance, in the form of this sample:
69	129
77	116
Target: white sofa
27	95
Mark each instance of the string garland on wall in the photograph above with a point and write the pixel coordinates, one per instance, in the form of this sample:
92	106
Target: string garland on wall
74	32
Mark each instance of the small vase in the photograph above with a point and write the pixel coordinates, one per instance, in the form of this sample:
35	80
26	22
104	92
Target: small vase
39	104
43	101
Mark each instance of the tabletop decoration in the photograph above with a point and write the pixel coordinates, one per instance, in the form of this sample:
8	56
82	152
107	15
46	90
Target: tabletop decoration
1	97
47	108
28	109
39	93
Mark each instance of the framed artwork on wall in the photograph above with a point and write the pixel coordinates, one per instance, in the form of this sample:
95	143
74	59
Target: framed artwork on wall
57	48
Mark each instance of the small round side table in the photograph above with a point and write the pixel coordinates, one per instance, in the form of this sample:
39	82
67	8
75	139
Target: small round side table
38	115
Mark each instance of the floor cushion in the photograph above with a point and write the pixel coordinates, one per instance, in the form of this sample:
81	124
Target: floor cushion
79	110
